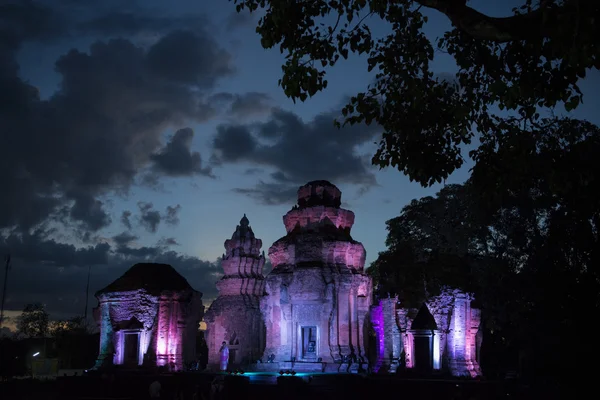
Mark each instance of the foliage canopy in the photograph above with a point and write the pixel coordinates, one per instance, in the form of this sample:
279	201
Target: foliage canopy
526	64
33	321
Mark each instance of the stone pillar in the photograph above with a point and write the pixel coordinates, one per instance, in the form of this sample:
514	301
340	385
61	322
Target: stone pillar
408	349
437	360
107	346
343	326
363	312
353	328
287	333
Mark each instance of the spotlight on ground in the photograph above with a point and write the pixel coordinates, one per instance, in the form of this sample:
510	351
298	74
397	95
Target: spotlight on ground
281	372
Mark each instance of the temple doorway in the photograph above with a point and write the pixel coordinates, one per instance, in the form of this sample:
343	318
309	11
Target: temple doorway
423	347
131	351
423	329
309	342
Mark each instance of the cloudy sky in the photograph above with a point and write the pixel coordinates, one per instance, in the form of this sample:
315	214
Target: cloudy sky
144	130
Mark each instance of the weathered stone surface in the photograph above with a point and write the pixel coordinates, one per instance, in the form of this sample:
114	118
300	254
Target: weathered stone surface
156	305
453	332
234	317
318	296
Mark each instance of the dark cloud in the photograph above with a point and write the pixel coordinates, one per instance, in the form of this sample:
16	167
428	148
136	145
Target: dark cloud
89	212
125	219
61	271
243	105
29	20
167	242
130	23
100	129
253	171
187	57
49	20
172	215
37	248
233	143
298	151
124	239
177	159
271	193
150	219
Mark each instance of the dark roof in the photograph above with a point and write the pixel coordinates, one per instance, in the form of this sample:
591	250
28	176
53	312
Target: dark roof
154	278
424	319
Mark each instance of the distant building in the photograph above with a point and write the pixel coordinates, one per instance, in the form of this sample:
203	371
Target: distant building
149	316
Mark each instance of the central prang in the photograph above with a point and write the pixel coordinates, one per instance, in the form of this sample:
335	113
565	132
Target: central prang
318	295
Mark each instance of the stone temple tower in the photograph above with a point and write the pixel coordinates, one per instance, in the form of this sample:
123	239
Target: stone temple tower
234	317
318	296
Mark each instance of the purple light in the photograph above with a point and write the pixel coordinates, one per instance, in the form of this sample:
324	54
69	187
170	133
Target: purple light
377	322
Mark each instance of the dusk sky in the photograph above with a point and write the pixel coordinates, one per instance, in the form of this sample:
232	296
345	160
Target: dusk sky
143	131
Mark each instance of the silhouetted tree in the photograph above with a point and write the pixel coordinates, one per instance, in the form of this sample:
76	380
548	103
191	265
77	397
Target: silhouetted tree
527	63
75	325
72	342
529	253
33	321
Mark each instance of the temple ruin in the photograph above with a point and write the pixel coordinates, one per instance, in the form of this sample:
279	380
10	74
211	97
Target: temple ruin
312	312
149	316
441	335
317	295
234	317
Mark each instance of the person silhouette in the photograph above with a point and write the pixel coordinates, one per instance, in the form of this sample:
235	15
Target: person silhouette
224	352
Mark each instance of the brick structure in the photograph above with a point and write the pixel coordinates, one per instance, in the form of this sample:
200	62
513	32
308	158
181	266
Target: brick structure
234	317
442	334
317	295
149	316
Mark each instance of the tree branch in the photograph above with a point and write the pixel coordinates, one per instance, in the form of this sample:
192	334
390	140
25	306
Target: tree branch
535	24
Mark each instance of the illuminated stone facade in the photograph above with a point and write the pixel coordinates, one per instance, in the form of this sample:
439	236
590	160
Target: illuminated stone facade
149	316
234	317
441	335
317	295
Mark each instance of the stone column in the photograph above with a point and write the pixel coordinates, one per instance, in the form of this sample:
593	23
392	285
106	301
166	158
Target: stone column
353	328
363	312
343	320
107	346
437	364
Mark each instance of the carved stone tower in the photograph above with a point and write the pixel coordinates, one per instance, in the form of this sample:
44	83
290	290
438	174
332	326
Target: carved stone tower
234	317
318	293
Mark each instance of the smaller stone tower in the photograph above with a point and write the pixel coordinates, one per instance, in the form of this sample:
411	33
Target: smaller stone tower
234	317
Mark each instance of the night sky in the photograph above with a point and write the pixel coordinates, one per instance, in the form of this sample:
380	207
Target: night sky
144	130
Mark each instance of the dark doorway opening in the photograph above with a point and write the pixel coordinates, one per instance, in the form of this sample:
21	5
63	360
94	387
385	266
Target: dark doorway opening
423	353
309	342
131	350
